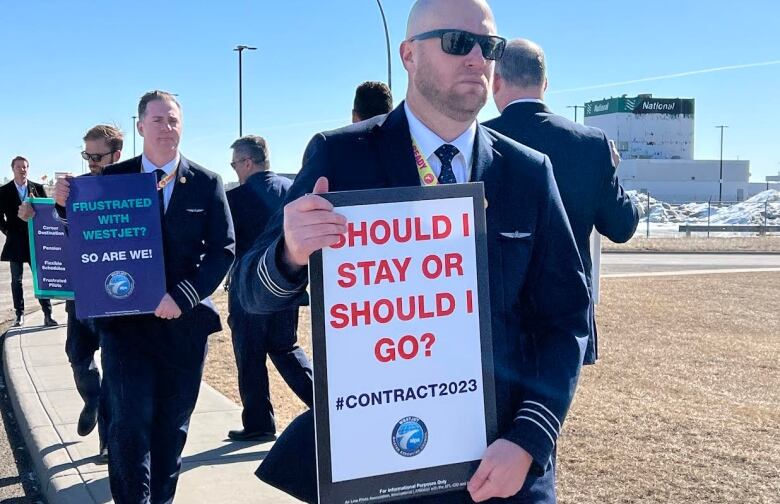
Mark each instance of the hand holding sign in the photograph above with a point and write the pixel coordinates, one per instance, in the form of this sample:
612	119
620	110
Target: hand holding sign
168	309
310	224
62	190
25	211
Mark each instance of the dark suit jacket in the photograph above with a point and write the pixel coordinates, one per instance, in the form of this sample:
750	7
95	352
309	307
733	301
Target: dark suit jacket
253	203
539	300
17	239
587	181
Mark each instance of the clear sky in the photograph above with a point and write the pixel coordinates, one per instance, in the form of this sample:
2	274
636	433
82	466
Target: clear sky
65	66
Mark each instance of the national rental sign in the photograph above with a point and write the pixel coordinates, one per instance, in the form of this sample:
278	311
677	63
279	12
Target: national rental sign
642	104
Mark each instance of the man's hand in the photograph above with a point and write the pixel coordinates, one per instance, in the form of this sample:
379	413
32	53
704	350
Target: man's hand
501	473
62	190
26	211
309	225
613	151
167	309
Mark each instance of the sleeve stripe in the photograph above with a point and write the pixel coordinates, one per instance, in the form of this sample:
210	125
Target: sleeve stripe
192	290
187	294
552	429
265	278
523	417
545	409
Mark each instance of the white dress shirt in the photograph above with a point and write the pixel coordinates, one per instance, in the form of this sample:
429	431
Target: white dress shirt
428	142
169	167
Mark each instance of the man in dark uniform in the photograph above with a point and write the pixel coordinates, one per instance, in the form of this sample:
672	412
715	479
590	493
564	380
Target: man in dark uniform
372	98
252	204
539	299
17	240
584	168
102	147
153	363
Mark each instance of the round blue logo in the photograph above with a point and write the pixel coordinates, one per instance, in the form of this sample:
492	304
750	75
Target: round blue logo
119	284
410	435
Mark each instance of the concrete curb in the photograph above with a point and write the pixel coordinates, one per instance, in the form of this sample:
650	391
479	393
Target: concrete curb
47	405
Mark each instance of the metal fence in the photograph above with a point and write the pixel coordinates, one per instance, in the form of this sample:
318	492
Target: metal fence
758	215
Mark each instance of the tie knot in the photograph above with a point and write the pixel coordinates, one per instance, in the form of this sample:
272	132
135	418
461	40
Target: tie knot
160	174
446	153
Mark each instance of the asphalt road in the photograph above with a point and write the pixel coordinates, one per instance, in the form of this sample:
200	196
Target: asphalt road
625	263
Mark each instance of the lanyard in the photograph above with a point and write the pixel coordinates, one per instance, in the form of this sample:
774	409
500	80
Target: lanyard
427	177
165	180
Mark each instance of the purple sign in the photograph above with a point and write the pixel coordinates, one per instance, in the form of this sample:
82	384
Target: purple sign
48	252
115	243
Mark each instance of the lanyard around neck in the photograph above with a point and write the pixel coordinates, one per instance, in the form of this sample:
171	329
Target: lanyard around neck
427	177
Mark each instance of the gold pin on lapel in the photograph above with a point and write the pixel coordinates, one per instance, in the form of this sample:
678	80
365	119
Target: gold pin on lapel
183	180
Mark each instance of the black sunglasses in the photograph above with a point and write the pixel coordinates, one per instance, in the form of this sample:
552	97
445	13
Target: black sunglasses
94	157
460	42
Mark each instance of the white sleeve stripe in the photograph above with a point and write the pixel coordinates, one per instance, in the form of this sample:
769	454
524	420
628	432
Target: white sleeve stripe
187	294
552	429
191	289
265	278
268	276
545	409
523	417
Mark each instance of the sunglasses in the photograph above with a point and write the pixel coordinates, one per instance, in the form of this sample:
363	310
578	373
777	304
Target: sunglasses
234	163
94	157
460	43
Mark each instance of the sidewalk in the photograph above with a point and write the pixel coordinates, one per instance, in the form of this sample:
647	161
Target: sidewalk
47	406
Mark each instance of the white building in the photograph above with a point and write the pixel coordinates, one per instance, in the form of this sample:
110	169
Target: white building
655	138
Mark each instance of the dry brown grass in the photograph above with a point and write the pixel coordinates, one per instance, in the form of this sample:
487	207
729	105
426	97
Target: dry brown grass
683	406
768	244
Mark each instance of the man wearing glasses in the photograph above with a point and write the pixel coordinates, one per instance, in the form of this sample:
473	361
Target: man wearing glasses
102	147
17	241
254	337
539	299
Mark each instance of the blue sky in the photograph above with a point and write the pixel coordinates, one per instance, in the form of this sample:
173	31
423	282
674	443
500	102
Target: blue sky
66	66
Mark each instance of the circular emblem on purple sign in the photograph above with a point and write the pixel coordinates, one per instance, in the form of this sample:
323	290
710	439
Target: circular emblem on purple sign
119	284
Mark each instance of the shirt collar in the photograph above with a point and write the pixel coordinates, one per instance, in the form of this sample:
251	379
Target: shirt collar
526	100
168	168
20	187
428	141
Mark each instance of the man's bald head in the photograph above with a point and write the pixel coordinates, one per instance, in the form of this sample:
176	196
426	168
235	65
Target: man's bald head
523	64
427	15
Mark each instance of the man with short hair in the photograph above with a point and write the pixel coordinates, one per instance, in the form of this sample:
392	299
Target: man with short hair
584	162
16	250
102	147
252	204
372	98
539	300
153	363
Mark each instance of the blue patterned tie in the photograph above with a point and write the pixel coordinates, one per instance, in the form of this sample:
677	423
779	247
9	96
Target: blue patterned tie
446	153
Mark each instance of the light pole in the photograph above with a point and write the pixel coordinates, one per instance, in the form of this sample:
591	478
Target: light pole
575	107
240	49
720	190
134	128
387	42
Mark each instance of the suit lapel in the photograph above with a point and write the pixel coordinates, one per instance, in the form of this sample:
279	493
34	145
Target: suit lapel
394	145
487	162
183	172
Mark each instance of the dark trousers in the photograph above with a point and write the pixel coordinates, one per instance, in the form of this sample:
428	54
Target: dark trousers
291	467
150	399
17	274
275	336
81	343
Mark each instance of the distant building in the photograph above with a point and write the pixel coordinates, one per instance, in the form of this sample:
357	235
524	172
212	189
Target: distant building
655	138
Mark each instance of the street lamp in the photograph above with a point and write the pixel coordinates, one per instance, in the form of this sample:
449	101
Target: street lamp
133	126
240	49
575	107
720	190
387	42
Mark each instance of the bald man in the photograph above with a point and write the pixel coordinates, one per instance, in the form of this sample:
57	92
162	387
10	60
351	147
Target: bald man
584	164
539	300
